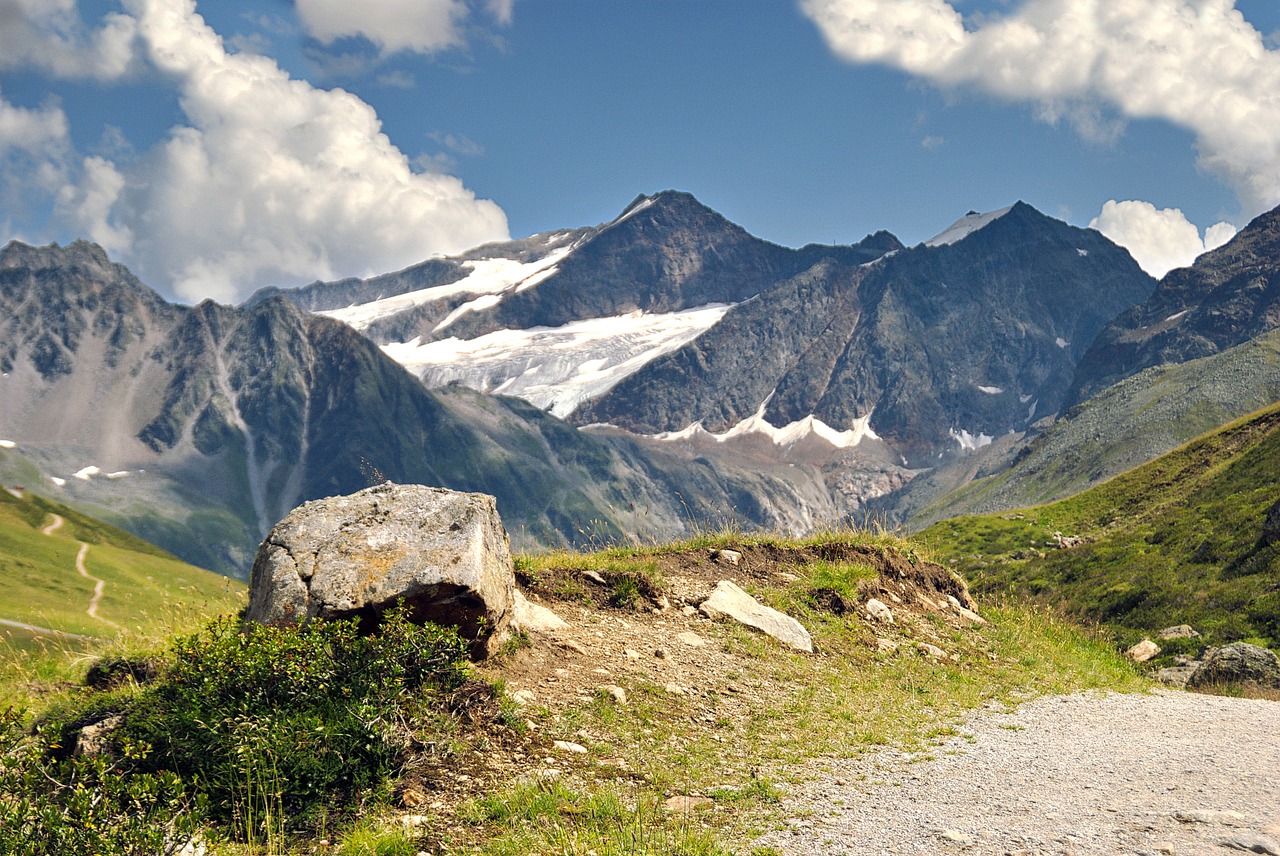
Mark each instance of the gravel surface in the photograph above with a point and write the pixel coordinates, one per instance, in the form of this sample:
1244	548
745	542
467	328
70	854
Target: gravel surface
1169	772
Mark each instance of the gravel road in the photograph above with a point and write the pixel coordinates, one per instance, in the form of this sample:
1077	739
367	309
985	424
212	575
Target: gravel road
1165	773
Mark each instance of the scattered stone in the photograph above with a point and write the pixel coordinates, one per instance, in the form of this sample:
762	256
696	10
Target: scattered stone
676	689
414	821
1251	842
693	640
1143	651
662	653
615	693
955	836
1238	663
571	748
681	804
615	763
930	650
94	739
728	600
786	577
631	654
1177	676
688	610
726	557
592	576
661	603
1164	847
1226	817
524	698
572	645
880	611
1181	631
885	646
444	553
533	618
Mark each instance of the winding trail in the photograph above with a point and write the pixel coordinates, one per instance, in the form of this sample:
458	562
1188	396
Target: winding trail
1140	775
99	585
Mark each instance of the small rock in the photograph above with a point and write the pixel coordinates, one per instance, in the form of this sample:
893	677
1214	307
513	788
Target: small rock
1181	631
676	689
615	763
886	646
533	618
954	602
414	821
661	653
726	557
688	610
631	654
686	804
1251	842
1177	676
592	576
956	837
1227	817
616	693
1164	847
524	698
662	604
930	650
786	577
93	739
571	645
693	640
572	748
880	611
729	601
968	614
1143	651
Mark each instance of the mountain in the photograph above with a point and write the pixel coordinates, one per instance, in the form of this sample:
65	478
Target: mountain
199	427
941	346
1182	539
559	318
1228	296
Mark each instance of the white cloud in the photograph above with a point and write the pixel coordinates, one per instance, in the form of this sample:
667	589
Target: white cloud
1158	239
272	181
50	35
1196	63
31	131
424	26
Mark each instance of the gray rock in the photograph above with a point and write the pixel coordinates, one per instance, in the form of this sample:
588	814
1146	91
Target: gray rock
726	557
444	553
1252	843
1271	525
1181	631
879	610
1177	676
1239	662
94	739
931	651
729	601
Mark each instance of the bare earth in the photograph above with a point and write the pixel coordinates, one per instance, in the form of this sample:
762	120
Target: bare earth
1169	772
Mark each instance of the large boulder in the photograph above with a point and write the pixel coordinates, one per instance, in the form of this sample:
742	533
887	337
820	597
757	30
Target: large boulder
444	554
1238	663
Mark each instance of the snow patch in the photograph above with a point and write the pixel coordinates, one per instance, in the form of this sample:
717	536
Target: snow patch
965	226
1032	412
1082	253
485	301
970	442
634	210
57	482
85	473
1061	342
556	368
784	437
487	276
7	444
991	390
1023	399
1175	316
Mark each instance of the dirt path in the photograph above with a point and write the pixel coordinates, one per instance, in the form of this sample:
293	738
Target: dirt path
99	585
1165	773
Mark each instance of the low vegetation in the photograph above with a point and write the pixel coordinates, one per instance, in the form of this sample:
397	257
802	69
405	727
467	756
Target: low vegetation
318	740
1176	541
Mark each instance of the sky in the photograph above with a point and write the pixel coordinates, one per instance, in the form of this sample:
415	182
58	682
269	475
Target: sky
219	147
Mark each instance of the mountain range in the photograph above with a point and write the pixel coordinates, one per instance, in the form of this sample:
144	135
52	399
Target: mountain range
662	371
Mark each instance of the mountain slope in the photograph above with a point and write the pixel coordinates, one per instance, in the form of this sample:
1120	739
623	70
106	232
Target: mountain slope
1179	540
41	544
199	427
952	342
1227	297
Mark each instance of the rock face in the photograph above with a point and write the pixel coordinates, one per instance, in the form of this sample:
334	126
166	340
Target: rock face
1238	662
444	553
729	601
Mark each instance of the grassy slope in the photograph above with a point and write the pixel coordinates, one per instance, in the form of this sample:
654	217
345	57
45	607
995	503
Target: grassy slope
145	587
1171	542
1120	428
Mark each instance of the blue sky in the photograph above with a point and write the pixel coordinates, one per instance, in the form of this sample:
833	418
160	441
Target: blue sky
219	147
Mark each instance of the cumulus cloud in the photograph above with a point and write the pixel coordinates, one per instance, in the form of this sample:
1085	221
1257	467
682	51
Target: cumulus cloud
1159	239
50	35
1196	63
424	26
32	131
271	181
